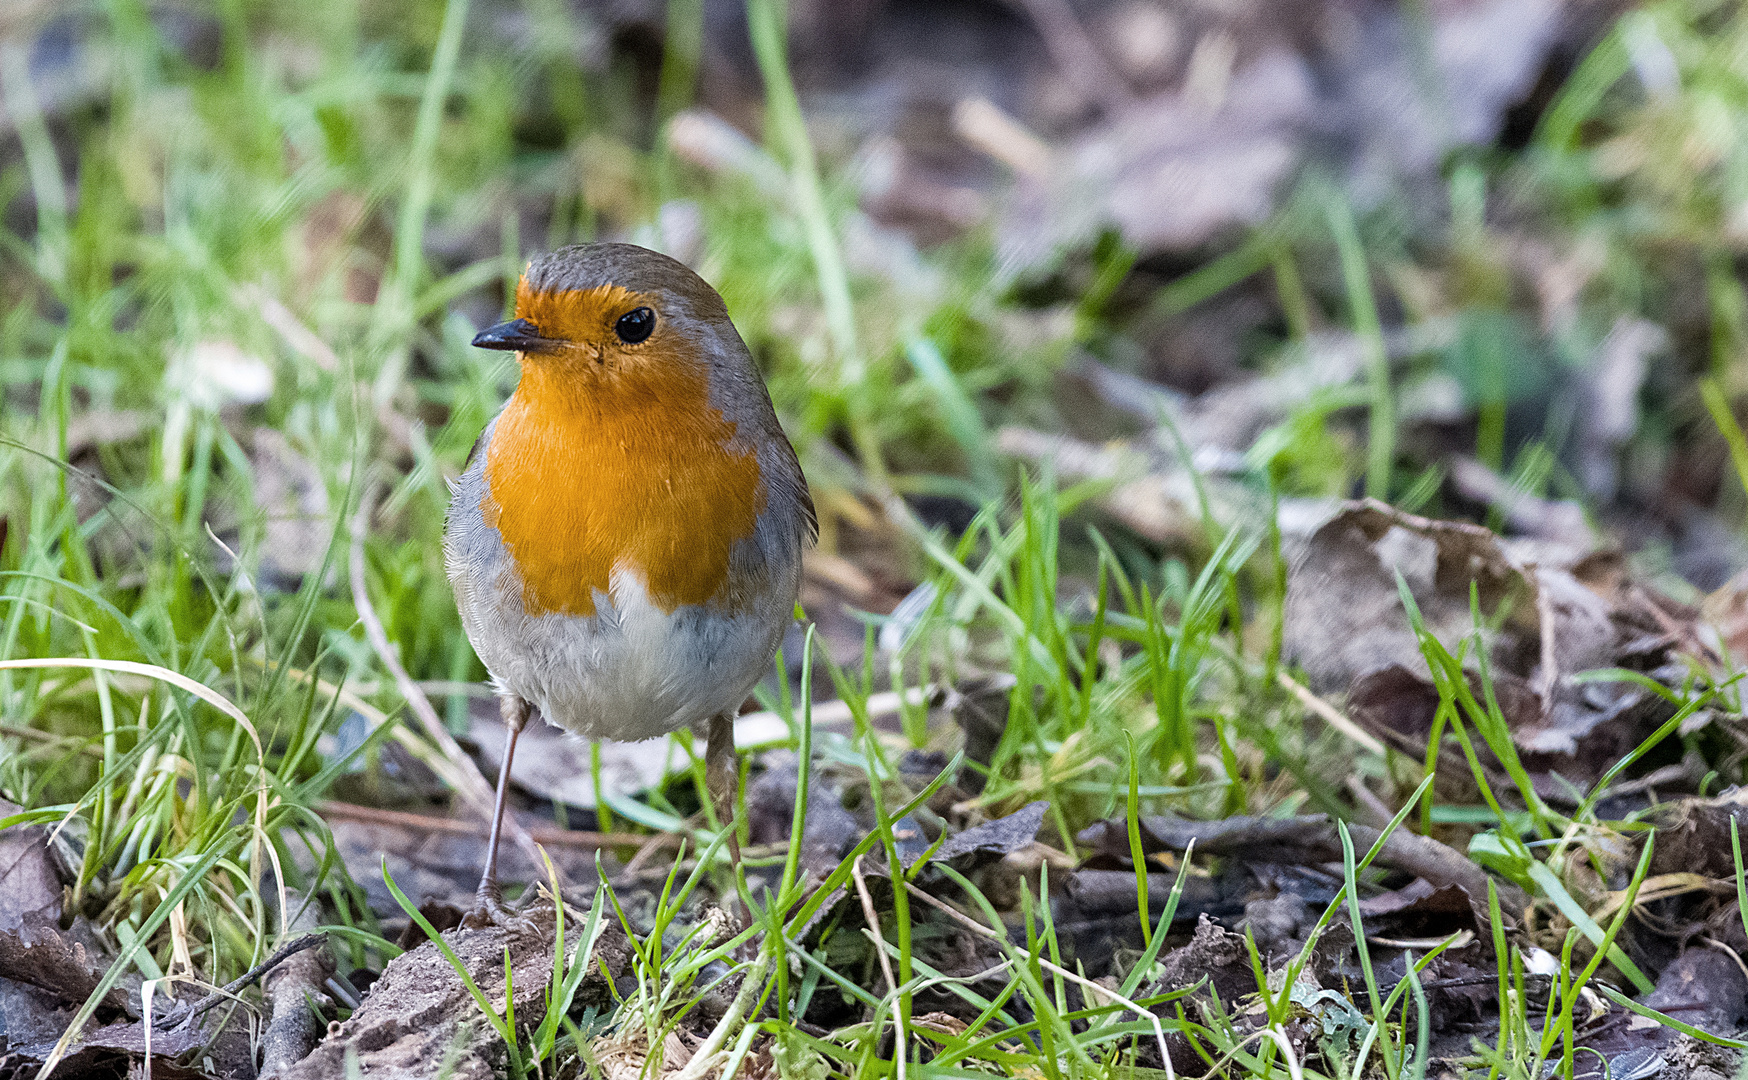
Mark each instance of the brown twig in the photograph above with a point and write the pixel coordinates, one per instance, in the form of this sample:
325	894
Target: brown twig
1314	838
295	998
551	837
230	990
988	129
649	847
1439	864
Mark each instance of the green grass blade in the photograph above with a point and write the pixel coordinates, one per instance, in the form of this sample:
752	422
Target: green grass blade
1381	432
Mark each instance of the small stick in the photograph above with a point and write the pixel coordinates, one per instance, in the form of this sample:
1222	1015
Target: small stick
1550	675
1330	714
294	999
543	834
229	990
647	849
873	918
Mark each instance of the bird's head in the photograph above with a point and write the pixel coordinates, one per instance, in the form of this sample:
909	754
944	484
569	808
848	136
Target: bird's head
602	313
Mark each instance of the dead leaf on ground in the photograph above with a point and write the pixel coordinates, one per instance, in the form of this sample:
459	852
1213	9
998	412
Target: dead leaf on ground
198	1052
31	1015
829	830
34	951
1216	955
1174	169
1704	987
411	1021
1168	173
985	843
1345	616
1693	835
43	956
30	888
1549	613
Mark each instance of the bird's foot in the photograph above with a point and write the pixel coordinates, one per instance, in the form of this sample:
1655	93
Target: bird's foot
490	910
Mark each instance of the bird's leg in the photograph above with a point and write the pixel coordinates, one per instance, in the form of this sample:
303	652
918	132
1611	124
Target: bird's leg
721	777
488	905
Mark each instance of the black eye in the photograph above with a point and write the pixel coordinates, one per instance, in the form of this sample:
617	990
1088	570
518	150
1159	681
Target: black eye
634	326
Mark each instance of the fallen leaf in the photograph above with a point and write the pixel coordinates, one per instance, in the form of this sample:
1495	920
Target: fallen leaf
409	1024
1551	611
30	889
1382	95
990	841
1693	835
1344	615
829	830
1168	172
1213	953
43	956
31	1015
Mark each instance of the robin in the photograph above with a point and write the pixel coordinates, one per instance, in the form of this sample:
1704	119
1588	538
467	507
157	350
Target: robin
625	543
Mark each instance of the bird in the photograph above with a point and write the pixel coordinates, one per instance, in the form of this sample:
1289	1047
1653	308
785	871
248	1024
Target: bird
625	542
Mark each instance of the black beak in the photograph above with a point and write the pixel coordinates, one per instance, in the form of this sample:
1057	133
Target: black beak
517	334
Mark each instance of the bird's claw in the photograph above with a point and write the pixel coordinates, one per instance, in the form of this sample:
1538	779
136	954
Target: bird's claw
490	910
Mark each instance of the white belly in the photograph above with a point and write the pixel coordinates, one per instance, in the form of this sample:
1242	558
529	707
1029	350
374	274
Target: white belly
631	671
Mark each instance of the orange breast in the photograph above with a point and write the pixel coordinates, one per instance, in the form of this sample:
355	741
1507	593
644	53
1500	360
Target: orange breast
592	472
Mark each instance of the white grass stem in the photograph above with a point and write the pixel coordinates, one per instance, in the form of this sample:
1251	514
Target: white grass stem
1330	715
873	918
739	1055
705	1056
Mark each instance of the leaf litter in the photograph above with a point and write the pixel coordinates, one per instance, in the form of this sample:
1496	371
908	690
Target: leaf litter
48	969
1547	614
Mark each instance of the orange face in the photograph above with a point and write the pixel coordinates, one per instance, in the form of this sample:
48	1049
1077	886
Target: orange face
610	456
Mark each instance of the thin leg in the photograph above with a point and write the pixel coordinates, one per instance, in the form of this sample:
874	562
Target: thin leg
721	777
489	901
